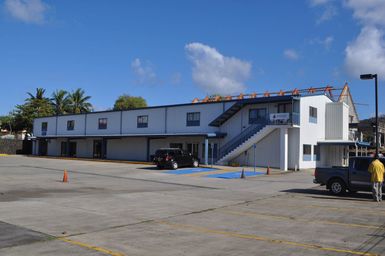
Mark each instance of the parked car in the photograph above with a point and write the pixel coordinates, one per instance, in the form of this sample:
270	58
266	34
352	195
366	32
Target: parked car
174	158
353	178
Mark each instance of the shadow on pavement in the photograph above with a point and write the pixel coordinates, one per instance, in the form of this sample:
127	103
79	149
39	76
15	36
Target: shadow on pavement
325	194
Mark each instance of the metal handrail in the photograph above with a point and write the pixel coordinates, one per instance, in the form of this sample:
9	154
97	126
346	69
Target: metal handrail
242	137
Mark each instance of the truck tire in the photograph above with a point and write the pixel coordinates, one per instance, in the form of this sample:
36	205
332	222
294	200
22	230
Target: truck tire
337	187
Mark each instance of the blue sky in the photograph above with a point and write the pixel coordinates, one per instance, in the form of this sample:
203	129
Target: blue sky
173	51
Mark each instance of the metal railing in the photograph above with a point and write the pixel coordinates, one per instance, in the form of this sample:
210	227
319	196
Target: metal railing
242	137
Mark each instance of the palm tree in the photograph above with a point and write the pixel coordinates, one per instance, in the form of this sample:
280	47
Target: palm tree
79	102
38	96
60	102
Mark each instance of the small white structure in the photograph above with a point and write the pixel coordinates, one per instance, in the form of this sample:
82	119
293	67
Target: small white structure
283	131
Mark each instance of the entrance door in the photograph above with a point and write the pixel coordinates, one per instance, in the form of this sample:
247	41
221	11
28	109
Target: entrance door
43	147
192	148
72	149
98	148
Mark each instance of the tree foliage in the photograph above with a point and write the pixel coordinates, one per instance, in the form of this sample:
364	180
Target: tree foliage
78	102
60	102
125	102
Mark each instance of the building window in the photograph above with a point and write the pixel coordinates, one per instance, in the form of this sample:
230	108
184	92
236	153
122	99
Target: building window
306	152
102	123
142	122
284	108
193	119
257	115
70	125
316	153
313	115
44	128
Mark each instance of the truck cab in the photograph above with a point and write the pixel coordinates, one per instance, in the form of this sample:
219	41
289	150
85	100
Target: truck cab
353	178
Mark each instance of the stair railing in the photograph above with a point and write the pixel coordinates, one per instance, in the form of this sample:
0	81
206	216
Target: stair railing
242	137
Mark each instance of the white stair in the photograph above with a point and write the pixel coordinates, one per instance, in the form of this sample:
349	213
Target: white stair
247	144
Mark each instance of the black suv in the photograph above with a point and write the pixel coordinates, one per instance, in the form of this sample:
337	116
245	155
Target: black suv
174	158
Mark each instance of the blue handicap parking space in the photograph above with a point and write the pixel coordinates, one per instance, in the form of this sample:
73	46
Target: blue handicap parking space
234	175
191	170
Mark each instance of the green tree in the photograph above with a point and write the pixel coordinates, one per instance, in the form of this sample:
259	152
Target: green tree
125	102
7	122
79	102
37	105
60	102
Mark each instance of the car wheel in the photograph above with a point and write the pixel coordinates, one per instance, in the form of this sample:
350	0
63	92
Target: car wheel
195	163
174	165
337	187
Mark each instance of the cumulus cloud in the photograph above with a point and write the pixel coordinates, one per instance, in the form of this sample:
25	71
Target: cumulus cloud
290	54
319	2
216	73
28	11
329	12
366	54
143	71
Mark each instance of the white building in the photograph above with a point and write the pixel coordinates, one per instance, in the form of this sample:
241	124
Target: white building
287	131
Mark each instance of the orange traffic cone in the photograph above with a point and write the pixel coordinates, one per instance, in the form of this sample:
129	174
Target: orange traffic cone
65	176
268	170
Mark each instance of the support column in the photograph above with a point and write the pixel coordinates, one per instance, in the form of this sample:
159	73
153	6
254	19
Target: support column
206	151
284	149
68	147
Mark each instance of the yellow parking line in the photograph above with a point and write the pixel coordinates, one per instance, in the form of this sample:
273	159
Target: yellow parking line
3	154
91	247
264	239
285	218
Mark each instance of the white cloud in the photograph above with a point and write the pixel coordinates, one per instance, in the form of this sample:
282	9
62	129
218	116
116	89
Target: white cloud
28	11
329	12
290	54
143	71
366	54
217	73
369	12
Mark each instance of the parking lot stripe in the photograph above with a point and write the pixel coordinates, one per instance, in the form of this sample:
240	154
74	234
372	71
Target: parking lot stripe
287	218
200	174
264	239
91	247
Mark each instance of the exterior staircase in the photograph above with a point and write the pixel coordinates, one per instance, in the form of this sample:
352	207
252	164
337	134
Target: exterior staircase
243	141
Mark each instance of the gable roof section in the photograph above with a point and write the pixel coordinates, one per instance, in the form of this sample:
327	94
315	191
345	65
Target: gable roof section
347	98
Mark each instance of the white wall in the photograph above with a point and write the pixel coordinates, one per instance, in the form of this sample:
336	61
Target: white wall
127	149
337	121
156	121
79	127
267	152
311	133
51	129
176	118
113	123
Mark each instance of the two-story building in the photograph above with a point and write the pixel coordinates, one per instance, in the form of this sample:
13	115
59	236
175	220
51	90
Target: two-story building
288	130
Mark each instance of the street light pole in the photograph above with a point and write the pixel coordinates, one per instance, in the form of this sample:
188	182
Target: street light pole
366	77
377	135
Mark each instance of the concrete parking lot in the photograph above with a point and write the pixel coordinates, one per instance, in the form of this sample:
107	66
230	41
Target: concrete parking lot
125	209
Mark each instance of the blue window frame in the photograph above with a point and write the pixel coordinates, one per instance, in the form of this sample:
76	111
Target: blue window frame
102	123
193	119
142	121
70	125
306	152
